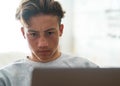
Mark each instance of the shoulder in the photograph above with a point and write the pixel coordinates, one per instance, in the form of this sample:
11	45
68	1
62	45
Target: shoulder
14	71
15	66
77	61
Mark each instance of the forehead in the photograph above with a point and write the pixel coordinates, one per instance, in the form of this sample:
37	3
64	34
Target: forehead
43	21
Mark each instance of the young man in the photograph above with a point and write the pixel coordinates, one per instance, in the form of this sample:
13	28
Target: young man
41	20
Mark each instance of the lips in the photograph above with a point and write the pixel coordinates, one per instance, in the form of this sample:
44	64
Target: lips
44	51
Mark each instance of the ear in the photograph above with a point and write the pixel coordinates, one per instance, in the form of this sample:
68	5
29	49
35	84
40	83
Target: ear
61	29
23	32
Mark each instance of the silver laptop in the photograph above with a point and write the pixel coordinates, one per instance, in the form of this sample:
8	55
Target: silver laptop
76	77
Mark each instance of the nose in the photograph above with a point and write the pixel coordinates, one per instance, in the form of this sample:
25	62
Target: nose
42	42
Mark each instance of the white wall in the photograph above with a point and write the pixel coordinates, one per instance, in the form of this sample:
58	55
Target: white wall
10	36
92	33
66	43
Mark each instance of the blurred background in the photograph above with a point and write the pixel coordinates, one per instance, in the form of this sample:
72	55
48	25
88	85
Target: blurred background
92	31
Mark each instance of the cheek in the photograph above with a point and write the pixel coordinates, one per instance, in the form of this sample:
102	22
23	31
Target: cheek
32	44
53	41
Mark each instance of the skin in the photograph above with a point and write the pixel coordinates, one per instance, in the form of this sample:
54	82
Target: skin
42	36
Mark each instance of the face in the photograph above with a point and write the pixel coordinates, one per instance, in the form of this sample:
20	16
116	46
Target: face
42	36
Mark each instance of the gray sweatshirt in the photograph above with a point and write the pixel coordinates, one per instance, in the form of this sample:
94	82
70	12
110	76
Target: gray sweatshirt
19	73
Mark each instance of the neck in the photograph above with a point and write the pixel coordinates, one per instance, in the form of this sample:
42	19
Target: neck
36	58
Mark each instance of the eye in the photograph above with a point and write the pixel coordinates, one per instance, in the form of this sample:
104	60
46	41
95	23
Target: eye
33	34
50	33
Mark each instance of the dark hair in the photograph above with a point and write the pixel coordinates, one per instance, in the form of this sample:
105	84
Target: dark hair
29	8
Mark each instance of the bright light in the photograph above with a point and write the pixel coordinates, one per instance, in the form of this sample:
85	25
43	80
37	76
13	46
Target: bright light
10	36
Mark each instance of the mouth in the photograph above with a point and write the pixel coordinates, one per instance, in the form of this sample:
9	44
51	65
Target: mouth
44	52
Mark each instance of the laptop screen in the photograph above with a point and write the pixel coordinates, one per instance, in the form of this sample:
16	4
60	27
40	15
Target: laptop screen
76	77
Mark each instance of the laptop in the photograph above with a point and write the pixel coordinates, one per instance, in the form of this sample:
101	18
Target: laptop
76	77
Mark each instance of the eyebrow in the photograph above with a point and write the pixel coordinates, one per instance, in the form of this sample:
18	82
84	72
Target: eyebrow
49	29
31	30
